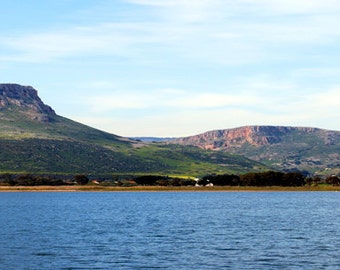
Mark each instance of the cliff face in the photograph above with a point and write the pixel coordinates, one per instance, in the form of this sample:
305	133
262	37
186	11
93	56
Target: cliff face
230	138
283	148
24	100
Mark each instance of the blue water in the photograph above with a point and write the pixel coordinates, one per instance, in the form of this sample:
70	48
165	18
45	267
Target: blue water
170	230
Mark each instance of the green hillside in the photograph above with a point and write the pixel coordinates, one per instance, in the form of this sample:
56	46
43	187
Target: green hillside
67	157
34	139
282	148
15	125
316	152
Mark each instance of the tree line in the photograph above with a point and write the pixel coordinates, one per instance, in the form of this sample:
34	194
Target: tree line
42	180
268	178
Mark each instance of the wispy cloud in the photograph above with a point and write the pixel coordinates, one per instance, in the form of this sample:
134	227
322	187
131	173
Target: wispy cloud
178	112
223	32
106	39
189	65
262	93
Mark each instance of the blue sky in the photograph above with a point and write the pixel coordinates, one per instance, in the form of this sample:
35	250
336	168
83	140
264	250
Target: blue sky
177	68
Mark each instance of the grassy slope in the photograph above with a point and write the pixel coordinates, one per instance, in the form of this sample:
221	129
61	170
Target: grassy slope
194	161
14	125
63	156
305	151
65	146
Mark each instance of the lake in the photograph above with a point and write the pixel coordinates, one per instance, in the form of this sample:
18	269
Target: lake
170	230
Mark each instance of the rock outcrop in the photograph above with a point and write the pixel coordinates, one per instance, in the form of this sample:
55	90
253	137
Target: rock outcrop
236	137
25	100
281	147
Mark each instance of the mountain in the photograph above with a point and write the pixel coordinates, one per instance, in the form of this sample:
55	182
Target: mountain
34	139
14	97
279	147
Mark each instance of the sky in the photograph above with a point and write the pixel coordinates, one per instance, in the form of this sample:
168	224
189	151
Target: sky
173	68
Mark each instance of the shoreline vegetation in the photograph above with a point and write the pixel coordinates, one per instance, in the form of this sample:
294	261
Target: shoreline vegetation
264	181
98	188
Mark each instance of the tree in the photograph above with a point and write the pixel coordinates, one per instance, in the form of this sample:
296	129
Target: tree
26	180
8	179
294	179
81	179
220	180
333	180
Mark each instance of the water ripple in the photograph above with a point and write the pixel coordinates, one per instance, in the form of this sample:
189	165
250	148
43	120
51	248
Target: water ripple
274	230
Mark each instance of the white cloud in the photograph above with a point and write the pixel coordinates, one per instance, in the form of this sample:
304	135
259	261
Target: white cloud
188	122
210	100
117	102
318	72
292	6
174	99
175	112
103	39
185	11
221	32
326	101
267	62
255	93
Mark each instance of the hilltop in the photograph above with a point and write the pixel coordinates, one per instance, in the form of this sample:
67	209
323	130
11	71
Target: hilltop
35	139
24	100
23	115
279	147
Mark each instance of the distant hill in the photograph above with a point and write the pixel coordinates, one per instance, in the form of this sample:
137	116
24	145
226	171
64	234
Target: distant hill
34	139
279	147
152	139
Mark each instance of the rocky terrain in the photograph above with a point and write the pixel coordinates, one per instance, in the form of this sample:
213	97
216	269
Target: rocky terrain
282	148
26	99
253	135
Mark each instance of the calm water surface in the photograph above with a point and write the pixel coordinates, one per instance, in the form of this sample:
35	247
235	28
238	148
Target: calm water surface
170	230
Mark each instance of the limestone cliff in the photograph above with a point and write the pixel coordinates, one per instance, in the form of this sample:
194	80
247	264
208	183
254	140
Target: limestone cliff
281	147
236	137
24	100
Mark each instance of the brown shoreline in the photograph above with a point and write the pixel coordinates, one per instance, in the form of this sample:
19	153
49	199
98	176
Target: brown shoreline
91	188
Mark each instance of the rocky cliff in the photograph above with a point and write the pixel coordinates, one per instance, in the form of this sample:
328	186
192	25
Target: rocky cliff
24	100
282	148
237	137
